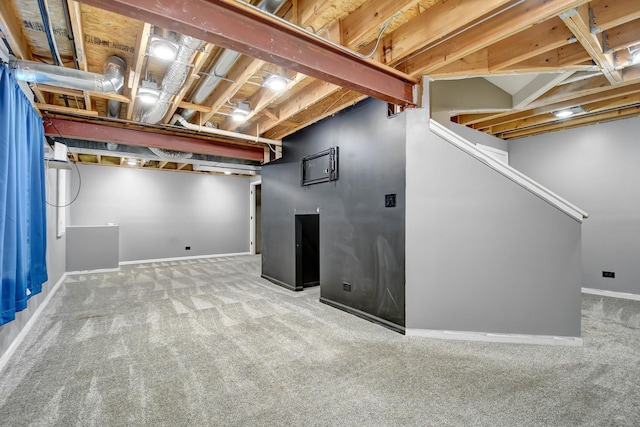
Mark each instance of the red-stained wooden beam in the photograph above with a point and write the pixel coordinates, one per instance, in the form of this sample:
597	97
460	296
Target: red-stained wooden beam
104	133
245	30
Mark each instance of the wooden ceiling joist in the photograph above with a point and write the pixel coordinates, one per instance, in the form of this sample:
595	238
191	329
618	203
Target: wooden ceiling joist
514	20
577	20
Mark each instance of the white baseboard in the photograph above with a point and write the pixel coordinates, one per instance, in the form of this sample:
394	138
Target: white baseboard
25	330
612	294
148	261
100	270
501	338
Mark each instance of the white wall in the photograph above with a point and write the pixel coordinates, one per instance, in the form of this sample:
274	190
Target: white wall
597	168
162	212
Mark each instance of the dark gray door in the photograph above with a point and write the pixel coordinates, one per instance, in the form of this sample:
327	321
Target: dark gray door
307	250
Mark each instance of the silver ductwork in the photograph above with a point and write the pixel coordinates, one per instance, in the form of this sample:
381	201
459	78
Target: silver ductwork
170	154
114	69
174	78
70	78
218	70
222	65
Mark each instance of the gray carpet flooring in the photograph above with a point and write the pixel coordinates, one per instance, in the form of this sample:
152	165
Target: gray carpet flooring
209	343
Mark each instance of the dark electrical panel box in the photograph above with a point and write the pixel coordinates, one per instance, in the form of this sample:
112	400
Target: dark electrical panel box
319	167
390	201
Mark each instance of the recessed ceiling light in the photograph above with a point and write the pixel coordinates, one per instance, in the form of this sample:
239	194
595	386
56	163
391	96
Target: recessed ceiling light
276	82
227	172
162	49
132	162
568	112
147	92
563	113
241	112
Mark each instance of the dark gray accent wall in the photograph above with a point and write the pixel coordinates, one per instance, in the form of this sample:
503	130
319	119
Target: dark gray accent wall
361	241
483	253
56	261
160	212
598	168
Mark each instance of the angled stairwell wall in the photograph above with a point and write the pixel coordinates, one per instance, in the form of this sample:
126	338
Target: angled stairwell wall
488	251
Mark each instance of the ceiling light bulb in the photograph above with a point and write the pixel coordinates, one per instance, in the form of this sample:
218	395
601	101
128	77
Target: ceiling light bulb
239	115
132	162
563	114
275	82
163	50
227	173
147	98
241	112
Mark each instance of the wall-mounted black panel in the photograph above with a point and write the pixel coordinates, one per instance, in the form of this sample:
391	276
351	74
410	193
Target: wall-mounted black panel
319	167
361	242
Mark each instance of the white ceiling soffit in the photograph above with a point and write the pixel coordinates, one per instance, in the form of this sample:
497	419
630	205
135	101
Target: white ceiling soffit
512	83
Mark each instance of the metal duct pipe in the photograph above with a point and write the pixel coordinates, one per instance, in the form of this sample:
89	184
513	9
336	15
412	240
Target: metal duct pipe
170	154
69	78
221	67
218	70
174	78
178	118
114	69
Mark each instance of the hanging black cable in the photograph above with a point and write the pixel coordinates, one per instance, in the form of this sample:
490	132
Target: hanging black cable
45	24
72	41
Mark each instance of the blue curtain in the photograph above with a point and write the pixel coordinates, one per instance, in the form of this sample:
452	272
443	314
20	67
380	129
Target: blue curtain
23	234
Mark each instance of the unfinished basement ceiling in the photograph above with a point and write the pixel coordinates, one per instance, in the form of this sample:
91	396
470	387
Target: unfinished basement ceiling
555	54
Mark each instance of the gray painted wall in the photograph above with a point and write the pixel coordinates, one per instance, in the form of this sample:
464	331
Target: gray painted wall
597	168
361	241
478	137
92	247
484	254
160	213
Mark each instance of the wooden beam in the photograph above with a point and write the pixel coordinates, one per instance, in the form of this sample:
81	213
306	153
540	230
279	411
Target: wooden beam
357	27
612	13
498	119
569	57
439	20
103	132
235	26
195	107
311	94
138	61
309	10
350	98
181	166
538	39
578	122
67	110
162	164
10	27
506	24
577	20
624	36
590	108
75	18
79	93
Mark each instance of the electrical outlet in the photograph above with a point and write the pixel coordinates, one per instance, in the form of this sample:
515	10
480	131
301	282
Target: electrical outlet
187	248
346	286
609	274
